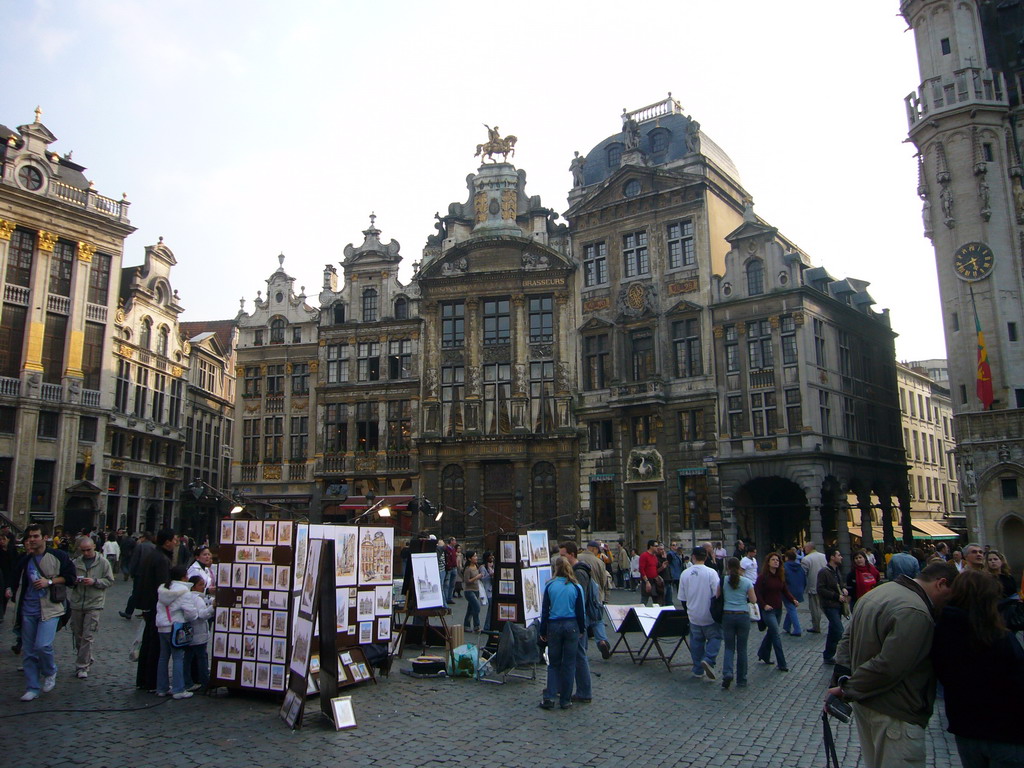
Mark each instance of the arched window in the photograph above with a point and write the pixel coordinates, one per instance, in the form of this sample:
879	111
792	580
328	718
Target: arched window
146	334
339	313
453	496
277	330
163	340
370	305
755	277
401	308
544	495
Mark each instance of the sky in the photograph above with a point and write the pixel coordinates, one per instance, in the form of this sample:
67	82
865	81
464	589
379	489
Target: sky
241	130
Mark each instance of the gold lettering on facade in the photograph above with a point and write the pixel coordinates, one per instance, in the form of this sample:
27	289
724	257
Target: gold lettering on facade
594	305
684	286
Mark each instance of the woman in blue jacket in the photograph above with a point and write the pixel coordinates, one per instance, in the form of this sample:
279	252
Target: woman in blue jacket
562	621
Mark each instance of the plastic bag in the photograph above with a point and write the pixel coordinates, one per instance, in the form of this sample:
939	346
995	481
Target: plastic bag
133	653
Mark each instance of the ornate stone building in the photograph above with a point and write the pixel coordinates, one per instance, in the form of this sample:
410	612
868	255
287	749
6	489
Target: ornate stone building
146	428
965	120
499	348
367	384
276	360
61	245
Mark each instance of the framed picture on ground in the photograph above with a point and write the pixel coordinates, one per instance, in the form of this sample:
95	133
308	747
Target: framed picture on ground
341	708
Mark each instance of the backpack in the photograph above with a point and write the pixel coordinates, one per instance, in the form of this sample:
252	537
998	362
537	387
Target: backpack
592	607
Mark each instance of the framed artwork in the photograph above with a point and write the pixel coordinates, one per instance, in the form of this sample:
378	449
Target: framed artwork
276	677
291	710
241	531
249	647
245	554
226	670
364	671
524	549
356	674
346	556
384	628
345	658
278	601
280	626
301	552
284	533
344	717
395	646
284	577
220	644
270	533
252	620
531	593
220	621
365	632
508	552
252	598
227	531
308	582
543	575
507	588
507	611
252	577
376	555
539	554
508	574
262	675
279	649
311	686
263	554
255	532
427	581
383	605
300	648
341	603
248	674
266	622
237	576
263	648
234	647
365	605
268	576
235	621
314	664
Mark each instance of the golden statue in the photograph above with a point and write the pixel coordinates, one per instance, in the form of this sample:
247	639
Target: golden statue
496	145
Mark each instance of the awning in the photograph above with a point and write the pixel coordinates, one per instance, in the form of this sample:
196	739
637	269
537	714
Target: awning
876	532
359	503
930	529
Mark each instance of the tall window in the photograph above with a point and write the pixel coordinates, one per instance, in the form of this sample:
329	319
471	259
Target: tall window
762	413
159	395
453	379
642	355
497	321
602	504
794	420
634	254
275	379
300	378
453	323
825	412
252	381
250	441
845	358
542	389
273	439
453	495
54	339
337	363
602	435
691	425
759	345
643	429
755	277
146	334
92	355
257	337
545	492
123	386
99	279
686	344
336	428
401	308
298	438
820	358
141	391
206	375
737	424
595	264
849	419
370	305
19	258
61	261
679	238
541	319
12	339
400	359
787	326
277	330
369	361
732	354
399	424
596	362
367	431
497	393
163	340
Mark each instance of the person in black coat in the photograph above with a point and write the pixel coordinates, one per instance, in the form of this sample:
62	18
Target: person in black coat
153	571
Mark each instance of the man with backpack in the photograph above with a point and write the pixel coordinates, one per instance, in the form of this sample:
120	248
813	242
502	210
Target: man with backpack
599	573
592	609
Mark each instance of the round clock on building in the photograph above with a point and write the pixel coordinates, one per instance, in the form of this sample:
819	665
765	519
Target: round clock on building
973	261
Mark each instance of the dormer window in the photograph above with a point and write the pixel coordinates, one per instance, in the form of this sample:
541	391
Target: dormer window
755	277
339	313
632	188
30	178
370	305
659	140
614	155
401	308
277	330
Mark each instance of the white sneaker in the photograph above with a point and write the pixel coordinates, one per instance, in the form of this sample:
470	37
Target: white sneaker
183	695
30	696
82	674
49	683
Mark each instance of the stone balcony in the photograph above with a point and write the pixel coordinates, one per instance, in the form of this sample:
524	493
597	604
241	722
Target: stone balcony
971	85
651	391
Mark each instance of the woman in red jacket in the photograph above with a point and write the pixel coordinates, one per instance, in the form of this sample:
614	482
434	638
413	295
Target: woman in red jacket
863	578
771	590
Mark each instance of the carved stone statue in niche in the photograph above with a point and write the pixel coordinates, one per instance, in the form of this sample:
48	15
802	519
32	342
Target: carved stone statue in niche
984	195
631	128
456	267
947	207
532	261
926	214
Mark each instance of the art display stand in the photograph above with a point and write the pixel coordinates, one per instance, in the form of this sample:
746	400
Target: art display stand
424	600
655	623
617	616
426	614
668	625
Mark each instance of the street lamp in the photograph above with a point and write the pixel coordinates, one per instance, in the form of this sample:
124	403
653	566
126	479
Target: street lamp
691	500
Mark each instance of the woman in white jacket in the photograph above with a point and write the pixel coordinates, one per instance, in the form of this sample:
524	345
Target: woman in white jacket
173	605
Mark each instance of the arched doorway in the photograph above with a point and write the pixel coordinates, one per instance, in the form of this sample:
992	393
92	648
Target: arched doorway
772	511
1012	536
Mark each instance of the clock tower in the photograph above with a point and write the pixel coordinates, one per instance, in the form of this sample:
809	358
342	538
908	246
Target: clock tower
965	120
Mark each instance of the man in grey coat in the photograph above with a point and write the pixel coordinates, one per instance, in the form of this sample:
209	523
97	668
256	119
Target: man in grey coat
88	597
812	563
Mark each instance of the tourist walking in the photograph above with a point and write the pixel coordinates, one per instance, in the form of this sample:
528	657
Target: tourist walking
738	593
471	586
812	563
833	597
772	594
796	580
562	621
87	599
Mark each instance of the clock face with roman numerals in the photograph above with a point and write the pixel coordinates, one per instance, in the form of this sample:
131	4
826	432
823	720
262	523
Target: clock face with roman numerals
973	261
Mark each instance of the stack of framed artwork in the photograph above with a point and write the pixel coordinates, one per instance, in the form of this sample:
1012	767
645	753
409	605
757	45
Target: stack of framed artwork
523	569
250	642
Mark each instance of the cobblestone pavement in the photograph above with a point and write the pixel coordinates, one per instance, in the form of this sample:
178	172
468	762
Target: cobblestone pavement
641	715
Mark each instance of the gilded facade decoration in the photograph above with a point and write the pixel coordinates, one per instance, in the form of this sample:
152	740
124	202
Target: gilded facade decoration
6	228
683	286
47	240
271	471
85	252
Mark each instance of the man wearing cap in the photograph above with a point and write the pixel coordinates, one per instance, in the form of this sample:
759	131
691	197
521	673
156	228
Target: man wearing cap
599	573
697	586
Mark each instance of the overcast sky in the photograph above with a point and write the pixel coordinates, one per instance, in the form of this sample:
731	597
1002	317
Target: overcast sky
240	130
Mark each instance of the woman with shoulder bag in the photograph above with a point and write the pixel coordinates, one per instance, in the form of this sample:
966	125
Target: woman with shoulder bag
738	593
772	593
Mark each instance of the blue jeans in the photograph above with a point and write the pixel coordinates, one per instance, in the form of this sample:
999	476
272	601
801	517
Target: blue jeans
772	639
736	628
487	609
835	631
196	654
37	644
582	671
792	622
449	585
563	646
472	610
177	658
704	643
600	631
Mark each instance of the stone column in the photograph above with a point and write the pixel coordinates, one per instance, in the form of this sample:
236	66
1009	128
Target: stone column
867	534
888	535
843	531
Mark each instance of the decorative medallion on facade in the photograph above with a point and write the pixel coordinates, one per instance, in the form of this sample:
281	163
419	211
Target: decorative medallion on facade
636	299
645	466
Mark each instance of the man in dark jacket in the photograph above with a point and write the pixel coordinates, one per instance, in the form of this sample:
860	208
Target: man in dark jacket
140	553
127	544
153	571
832	596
